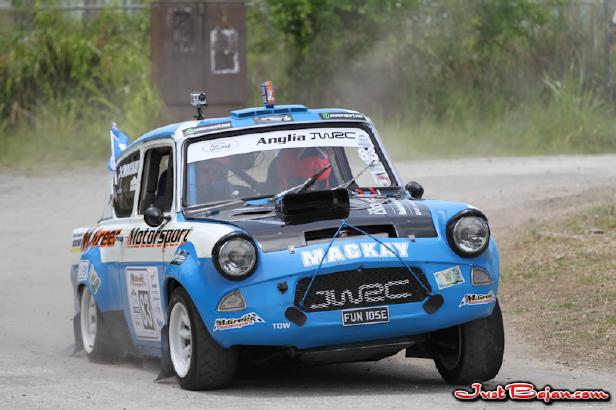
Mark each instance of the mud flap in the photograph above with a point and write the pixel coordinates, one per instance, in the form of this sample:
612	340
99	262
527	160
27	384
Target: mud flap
166	367
77	333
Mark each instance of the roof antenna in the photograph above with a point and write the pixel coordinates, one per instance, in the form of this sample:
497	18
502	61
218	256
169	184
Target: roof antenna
199	101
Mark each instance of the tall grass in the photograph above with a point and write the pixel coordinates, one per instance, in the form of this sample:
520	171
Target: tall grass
65	79
562	119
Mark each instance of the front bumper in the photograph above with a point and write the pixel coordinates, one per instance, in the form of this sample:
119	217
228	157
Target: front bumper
266	305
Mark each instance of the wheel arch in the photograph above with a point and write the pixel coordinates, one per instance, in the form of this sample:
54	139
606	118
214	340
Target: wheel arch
171	284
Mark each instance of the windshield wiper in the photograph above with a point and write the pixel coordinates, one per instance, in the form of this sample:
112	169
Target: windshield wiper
350	181
213	208
304	186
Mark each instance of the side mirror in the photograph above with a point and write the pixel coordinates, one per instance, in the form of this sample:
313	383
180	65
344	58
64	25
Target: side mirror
415	189
154	217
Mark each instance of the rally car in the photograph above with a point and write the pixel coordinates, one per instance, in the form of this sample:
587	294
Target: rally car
281	234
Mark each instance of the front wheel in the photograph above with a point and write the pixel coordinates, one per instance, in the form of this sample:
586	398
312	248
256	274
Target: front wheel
198	361
471	352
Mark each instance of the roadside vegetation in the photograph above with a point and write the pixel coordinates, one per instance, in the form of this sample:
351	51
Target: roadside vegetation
64	79
559	287
449	77
442	78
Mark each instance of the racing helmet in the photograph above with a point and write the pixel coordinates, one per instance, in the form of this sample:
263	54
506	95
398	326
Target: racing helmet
295	165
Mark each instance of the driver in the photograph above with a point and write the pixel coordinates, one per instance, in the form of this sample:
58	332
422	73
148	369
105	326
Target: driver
214	178
296	165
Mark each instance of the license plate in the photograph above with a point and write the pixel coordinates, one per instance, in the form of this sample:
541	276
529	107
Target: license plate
365	316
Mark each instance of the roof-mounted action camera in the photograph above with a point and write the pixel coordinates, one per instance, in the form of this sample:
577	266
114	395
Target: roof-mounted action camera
199	101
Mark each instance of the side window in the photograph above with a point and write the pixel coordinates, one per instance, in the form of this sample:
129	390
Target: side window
126	185
157	180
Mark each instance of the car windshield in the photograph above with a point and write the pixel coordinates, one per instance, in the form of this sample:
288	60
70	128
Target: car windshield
261	164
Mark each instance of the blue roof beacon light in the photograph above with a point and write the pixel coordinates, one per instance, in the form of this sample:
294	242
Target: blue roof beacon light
268	94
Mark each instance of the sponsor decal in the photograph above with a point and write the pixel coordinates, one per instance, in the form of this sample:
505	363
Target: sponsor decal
349	251
219	146
82	270
282	325
155	238
94	279
311	136
377	208
342	116
369	292
273	118
477	299
448	277
398	207
525	391
99	237
369	156
179	257
129	169
382	179
146	311
273	140
248	319
76	243
208	128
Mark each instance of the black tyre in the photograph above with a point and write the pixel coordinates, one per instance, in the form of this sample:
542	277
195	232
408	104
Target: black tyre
198	361
96	340
471	352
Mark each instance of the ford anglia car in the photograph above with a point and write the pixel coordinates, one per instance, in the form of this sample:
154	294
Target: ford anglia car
281	234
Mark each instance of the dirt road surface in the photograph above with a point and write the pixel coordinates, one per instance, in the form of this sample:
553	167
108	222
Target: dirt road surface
37	370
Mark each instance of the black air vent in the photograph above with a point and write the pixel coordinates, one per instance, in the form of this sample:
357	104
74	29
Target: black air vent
377	230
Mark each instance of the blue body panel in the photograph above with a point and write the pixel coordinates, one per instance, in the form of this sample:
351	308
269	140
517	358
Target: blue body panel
206	287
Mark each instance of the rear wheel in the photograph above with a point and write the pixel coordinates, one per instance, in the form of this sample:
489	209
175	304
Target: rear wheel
198	361
471	352
96	341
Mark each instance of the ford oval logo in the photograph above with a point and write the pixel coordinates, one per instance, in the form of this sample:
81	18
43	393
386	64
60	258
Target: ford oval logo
220	146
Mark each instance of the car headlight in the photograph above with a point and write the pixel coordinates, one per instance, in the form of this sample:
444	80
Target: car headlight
235	257
468	233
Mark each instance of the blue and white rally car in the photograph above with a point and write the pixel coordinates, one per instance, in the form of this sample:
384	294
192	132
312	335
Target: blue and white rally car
281	234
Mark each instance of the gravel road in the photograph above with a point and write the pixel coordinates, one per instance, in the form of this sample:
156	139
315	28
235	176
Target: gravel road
37	370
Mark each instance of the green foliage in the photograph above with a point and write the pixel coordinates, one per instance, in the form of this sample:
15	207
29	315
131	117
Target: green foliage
441	77
67	78
447	77
320	36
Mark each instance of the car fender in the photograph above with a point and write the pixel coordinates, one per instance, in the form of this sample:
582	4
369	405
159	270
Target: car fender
192	268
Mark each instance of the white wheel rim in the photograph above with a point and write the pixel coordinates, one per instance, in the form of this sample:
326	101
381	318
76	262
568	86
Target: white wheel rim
88	321
180	339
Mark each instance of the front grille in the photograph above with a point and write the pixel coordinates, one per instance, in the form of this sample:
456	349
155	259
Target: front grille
361	288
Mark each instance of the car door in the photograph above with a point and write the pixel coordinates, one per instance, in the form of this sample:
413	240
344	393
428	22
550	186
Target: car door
145	248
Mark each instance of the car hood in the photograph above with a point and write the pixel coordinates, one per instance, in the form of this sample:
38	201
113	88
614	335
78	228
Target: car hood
387	217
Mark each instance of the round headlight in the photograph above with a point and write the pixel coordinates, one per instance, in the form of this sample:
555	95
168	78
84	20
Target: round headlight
469	235
235	258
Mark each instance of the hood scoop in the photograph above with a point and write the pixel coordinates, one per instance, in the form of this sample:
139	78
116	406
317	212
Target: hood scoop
313	206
